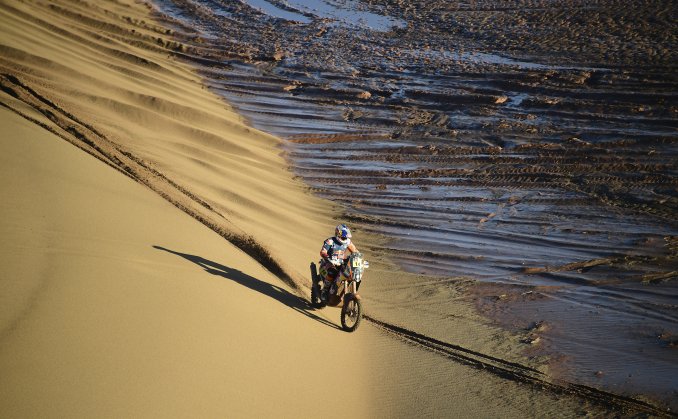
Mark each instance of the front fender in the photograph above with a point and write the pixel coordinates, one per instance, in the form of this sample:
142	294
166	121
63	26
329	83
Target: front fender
349	297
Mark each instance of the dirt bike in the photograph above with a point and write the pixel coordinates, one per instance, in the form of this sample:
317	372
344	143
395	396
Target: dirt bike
345	289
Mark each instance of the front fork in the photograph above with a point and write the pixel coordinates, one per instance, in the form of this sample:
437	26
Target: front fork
351	292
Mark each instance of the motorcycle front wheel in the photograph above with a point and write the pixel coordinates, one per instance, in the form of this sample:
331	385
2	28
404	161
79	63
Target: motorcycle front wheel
351	314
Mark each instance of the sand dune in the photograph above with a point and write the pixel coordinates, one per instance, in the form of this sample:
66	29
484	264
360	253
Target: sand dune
120	296
152	114
117	304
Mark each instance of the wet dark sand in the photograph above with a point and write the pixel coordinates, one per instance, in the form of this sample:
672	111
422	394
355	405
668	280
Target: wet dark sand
527	147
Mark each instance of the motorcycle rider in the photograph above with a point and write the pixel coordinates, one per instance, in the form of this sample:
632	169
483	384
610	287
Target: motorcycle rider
333	254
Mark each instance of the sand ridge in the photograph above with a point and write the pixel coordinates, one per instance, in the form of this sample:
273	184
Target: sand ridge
128	90
116	304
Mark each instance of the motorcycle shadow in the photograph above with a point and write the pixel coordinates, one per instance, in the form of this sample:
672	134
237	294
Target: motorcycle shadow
293	301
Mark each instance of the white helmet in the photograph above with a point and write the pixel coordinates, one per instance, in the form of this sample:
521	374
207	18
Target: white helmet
342	233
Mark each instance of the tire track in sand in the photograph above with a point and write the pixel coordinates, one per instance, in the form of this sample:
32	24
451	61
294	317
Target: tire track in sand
519	373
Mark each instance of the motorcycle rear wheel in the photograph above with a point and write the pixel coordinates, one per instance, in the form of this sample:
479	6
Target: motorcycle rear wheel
316	302
351	314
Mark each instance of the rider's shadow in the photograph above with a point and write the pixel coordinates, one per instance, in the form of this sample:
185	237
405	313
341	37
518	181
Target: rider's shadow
293	301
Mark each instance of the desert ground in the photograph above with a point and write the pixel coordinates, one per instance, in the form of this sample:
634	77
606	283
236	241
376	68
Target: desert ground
156	250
